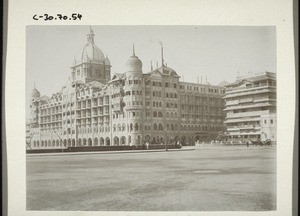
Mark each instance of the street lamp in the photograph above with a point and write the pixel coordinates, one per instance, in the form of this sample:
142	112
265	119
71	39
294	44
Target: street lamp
166	147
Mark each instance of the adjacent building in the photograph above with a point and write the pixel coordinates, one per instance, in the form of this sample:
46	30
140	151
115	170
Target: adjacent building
129	108
250	106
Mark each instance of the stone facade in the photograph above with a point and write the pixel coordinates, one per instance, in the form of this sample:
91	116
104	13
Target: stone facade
128	109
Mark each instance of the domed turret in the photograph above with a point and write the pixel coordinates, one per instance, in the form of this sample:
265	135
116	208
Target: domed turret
90	51
107	62
35	93
134	64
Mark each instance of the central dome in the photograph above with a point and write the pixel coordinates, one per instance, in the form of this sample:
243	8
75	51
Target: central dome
90	51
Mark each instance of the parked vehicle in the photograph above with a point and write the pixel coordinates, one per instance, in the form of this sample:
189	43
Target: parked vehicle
267	142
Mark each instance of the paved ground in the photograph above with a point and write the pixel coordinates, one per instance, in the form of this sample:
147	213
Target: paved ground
204	179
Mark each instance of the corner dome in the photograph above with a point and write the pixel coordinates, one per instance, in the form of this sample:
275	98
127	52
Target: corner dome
134	64
90	51
107	62
35	93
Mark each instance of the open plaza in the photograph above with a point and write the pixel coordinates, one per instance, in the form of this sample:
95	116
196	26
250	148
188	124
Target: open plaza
195	178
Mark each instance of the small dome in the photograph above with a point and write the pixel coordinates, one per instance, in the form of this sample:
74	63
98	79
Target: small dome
107	62
35	93
134	64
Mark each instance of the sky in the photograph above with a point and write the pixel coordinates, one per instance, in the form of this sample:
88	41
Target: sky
216	53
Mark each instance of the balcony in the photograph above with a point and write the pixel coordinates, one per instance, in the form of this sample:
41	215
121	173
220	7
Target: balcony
244	93
246	88
246	114
242	120
244	133
256	105
244	127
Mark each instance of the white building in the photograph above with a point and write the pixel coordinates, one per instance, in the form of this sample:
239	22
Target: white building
250	106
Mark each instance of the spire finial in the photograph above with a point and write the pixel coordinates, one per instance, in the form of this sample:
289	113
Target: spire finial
162	56
90	36
34	85
151	66
133	51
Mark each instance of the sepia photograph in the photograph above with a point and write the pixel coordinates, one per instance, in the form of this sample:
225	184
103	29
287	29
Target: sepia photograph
151	118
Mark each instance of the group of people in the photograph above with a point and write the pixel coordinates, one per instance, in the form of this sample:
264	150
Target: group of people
145	145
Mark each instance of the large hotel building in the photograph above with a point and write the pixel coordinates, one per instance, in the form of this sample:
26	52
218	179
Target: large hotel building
128	108
251	108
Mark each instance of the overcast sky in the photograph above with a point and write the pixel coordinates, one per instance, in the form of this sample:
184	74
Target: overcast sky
215	52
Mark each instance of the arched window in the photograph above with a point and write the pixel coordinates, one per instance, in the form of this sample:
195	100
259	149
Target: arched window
115	128
160	127
123	127
131	127
155	127
119	127
154	114
136	127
